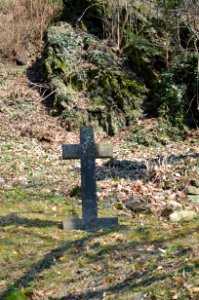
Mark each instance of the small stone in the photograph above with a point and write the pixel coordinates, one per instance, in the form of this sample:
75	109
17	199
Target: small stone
192	190
174	204
170	207
137	206
183	215
2	180
193	198
195	182
139	296
22	60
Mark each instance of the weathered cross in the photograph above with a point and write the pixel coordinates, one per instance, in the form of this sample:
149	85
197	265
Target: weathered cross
88	151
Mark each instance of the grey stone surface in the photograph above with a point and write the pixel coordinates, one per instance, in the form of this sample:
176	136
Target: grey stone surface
22	60
171	206
183	215
139	296
87	152
104	150
192	190
195	182
71	151
137	206
193	198
174	205
90	224
88	176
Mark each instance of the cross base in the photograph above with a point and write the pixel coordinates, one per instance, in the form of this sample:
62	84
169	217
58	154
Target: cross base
97	223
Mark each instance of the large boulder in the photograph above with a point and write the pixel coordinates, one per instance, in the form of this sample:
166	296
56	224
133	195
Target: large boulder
90	81
130	25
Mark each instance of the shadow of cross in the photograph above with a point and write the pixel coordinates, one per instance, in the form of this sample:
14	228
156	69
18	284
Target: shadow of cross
88	151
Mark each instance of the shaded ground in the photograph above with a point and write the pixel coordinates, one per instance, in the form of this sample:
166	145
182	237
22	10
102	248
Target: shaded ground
147	257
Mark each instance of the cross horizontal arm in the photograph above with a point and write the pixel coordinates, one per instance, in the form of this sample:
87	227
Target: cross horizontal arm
73	151
104	150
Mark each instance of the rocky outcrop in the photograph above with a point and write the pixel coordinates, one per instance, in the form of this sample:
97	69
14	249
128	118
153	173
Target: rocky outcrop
100	63
116	21
90	81
193	191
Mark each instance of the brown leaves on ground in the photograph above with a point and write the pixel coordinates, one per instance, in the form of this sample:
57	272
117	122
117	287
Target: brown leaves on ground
150	175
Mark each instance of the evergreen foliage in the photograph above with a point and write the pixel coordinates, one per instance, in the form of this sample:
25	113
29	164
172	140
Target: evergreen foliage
177	92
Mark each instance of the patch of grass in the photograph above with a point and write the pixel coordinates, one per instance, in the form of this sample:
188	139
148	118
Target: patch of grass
17	194
17	295
123	261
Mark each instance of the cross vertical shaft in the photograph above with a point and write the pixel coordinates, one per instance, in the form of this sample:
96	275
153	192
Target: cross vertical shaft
89	207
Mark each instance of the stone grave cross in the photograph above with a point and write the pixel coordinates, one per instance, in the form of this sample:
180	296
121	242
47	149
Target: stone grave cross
88	151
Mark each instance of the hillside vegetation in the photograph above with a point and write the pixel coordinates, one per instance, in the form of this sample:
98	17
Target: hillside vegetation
129	68
153	43
111	45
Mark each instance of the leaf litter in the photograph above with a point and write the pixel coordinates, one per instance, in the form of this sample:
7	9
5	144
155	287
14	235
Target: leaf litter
146	257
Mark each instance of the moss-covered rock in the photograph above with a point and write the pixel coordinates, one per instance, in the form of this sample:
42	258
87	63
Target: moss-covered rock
63	51
89	80
129	24
176	93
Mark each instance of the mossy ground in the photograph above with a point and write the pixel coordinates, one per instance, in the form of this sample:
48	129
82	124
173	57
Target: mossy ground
146	256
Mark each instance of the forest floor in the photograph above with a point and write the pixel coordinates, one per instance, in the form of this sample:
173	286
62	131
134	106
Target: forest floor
146	257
